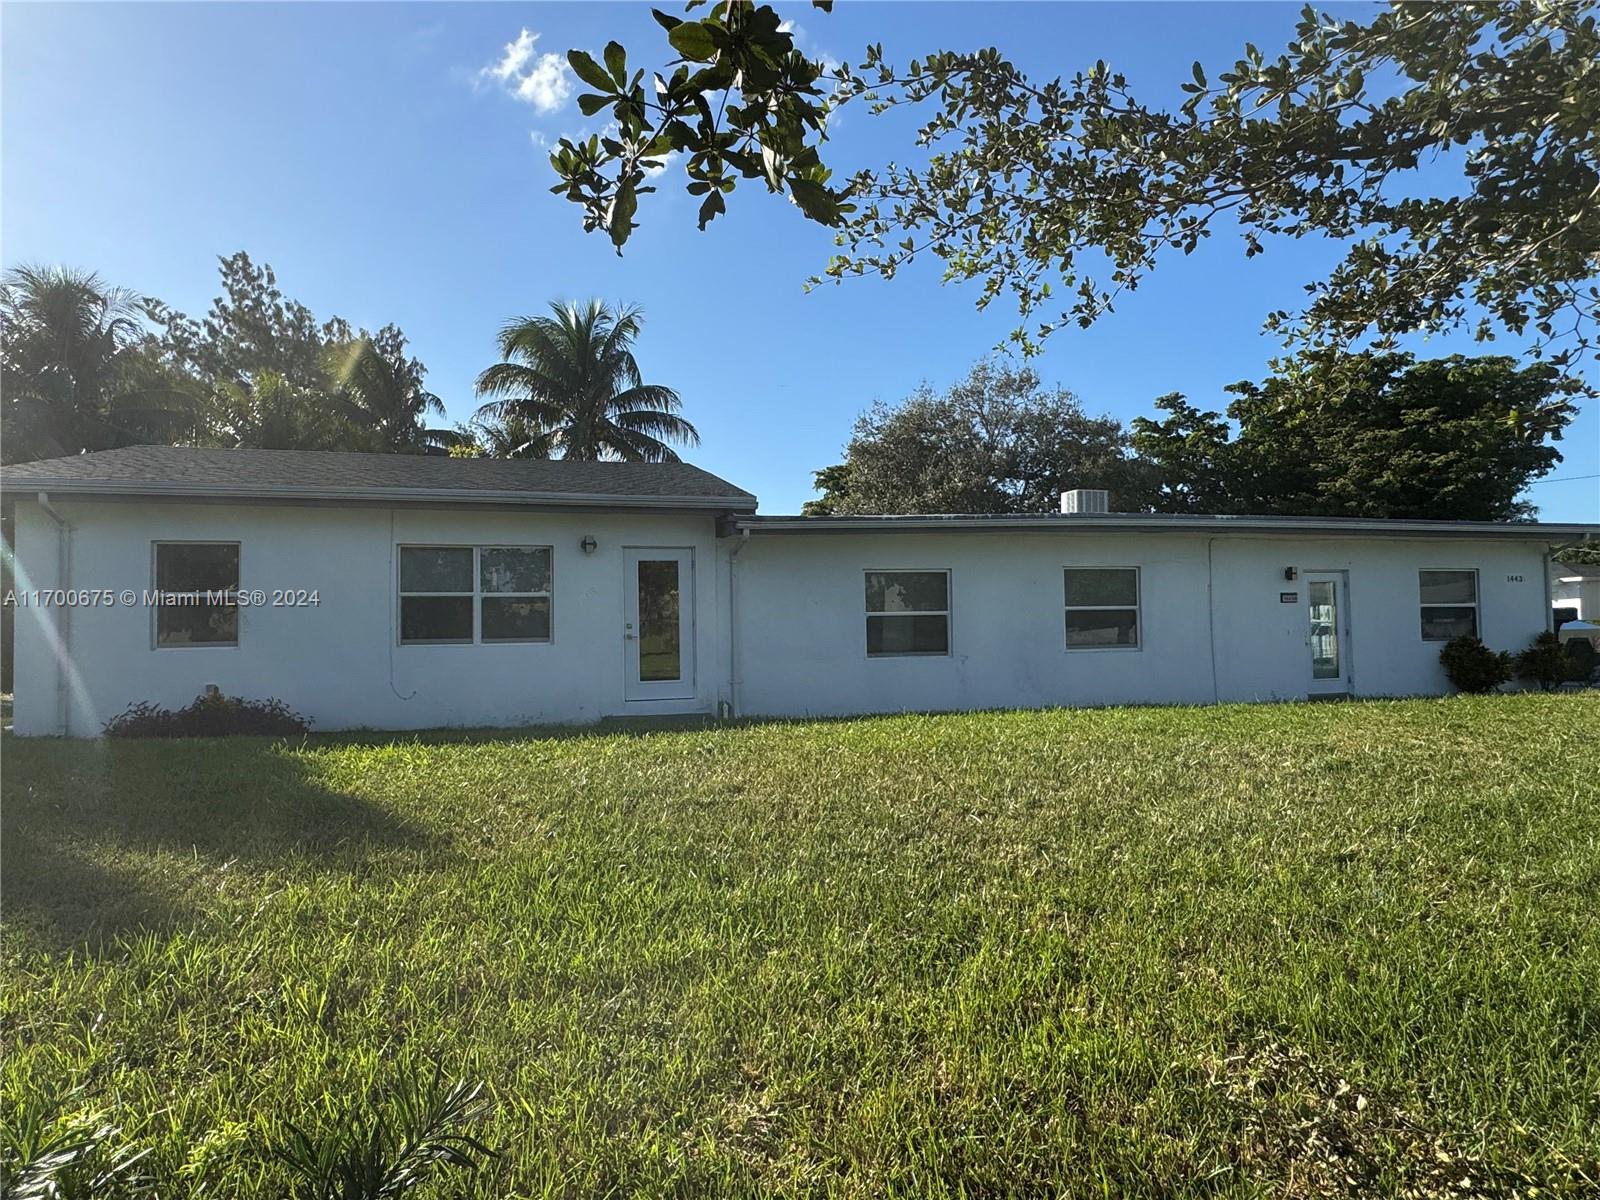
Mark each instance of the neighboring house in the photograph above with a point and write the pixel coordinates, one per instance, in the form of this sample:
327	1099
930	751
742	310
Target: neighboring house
403	591
1575	592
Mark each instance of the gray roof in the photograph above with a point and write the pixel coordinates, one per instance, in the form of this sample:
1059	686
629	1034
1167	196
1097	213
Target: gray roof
403	478
1163	523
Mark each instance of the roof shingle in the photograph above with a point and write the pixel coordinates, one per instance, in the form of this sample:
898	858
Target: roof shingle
187	470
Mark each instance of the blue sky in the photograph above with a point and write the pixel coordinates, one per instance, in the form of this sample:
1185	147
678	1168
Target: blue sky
363	151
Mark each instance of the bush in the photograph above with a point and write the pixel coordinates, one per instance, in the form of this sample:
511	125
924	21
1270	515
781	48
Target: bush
1472	666
1546	662
211	715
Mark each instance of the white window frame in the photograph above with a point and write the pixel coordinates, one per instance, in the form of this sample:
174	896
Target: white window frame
477	595
548	594
947	612
155	583
1476	606
1137	606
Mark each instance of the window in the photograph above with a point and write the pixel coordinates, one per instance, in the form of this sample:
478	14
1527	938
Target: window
198	584
908	612
1449	604
515	600
474	593
1102	607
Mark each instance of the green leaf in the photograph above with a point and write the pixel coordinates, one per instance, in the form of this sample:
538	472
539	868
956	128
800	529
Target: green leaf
710	207
617	63
589	103
620	222
815	200
694	41
669	23
590	71
1199	75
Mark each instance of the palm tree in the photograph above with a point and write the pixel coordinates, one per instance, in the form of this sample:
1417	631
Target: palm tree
572	378
504	437
78	370
382	394
265	411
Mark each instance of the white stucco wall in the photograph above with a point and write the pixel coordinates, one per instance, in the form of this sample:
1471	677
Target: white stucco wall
339	663
801	614
803	651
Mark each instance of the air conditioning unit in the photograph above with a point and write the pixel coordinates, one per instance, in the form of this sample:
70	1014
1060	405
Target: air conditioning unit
1086	500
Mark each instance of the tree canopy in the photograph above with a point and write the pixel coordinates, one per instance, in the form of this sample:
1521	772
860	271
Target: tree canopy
1026	186
88	366
1370	435
268	373
79	368
996	442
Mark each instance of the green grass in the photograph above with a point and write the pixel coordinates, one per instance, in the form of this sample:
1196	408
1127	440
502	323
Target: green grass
1308	950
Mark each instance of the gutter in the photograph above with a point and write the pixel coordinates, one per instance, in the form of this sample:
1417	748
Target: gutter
1141	523
131	490
64	611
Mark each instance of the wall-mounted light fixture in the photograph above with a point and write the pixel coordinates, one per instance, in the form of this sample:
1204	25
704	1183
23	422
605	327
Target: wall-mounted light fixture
588	545
1289	573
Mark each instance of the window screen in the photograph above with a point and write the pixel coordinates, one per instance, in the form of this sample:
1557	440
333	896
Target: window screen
199	586
908	612
475	593
1449	604
1102	606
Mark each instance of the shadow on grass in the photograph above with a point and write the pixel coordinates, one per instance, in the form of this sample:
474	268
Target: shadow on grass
638	727
89	830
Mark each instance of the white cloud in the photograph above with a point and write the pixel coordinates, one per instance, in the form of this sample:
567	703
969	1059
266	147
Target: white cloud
548	85
667	161
542	80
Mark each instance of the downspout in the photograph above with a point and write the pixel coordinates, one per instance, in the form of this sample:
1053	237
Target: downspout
64	610
734	679
1549	593
1211	620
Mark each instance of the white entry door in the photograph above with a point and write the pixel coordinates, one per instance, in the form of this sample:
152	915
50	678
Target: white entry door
658	634
1328	637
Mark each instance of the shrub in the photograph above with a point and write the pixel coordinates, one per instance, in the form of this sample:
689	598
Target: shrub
50	1154
211	715
1546	662
386	1148
1472	666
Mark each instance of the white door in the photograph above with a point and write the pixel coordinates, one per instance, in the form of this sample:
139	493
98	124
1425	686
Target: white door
1328	636
658	634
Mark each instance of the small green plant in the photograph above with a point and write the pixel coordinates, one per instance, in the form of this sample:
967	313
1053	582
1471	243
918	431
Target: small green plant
1546	663
381	1149
45	1155
1473	667
211	715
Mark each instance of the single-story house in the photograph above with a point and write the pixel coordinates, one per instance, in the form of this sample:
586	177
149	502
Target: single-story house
402	592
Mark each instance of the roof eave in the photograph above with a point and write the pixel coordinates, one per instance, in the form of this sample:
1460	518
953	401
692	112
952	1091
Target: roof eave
403	495
1124	523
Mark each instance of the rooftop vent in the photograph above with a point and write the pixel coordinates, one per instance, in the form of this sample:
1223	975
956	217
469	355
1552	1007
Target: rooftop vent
1086	500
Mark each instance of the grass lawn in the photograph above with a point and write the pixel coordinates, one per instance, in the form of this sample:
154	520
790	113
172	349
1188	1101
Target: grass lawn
1308	950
